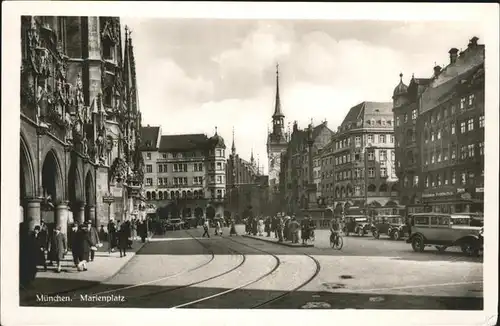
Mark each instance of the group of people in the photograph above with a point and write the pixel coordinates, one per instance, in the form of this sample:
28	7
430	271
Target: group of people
121	235
219	224
285	228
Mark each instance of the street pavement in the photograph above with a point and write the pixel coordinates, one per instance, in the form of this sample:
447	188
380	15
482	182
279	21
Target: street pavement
184	270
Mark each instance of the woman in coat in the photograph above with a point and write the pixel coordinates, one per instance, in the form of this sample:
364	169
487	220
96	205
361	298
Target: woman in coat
58	247
232	231
84	245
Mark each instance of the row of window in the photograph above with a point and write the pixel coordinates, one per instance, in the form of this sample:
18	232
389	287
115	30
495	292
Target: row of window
184	181
414	115
370	139
357	190
197	194
466	152
218	153
446	177
178	167
465	126
347	158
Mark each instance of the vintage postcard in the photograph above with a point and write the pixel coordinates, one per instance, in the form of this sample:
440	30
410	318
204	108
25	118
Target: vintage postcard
219	158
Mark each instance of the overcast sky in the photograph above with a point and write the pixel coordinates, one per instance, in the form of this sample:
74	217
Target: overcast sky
195	75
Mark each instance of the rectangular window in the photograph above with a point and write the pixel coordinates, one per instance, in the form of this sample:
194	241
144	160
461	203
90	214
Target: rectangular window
433	158
463	178
176	181
463	152
453	128
432	136
149	181
165	181
481	148
160	181
462	103
149	168
393	155
148	156
414	114
219	166
439	157
445	154
382	139
371	173
470	124
357	141
453	177
439	135
219	153
462	127
481	121
415	180
370	139
471	177
164	155
185	180
397	122
471	99
382	155
160	168
371	155
470	149
383	172
438	179
219	179
391	137
453	152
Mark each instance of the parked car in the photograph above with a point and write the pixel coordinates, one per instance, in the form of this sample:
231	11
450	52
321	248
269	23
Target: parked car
445	230
357	224
174	224
398	228
381	224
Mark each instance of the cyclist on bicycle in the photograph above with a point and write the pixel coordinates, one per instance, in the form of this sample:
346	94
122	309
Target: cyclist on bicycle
334	230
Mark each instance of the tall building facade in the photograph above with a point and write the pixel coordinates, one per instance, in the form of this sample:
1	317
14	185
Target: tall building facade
363	158
449	172
276	143
184	174
297	167
80	121
246	186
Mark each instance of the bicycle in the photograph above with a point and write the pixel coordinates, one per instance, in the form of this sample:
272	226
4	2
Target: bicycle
337	243
312	237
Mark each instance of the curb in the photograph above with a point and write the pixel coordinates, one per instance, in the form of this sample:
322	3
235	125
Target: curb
286	244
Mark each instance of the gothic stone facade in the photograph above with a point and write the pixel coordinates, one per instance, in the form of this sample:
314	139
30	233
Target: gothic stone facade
79	121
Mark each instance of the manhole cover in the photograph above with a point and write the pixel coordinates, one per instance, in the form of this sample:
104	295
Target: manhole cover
376	299
316	305
345	277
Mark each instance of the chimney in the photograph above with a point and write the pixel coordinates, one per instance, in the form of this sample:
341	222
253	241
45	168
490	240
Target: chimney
473	42
453	55
437	70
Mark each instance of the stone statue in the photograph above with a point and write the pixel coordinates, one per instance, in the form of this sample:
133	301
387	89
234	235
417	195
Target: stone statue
68	126
84	144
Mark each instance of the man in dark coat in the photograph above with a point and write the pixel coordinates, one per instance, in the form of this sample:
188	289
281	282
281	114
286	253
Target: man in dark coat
267	227
75	244
123	240
254	225
111	236
41	245
279	228
27	256
58	247
84	244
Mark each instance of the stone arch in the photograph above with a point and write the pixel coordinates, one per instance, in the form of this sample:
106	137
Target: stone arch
172	194
89	197
186	212
372	188
148	195
184	194
75	185
383	188
395	189
52	177
198	212
342	192
26	171
349	190
153	195
165	195
160	195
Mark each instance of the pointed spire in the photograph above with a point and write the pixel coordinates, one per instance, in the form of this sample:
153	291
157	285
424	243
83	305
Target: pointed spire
277	107
233	147
215	130
251	157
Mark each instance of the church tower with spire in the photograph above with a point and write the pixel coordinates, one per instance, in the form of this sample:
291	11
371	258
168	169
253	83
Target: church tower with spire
276	140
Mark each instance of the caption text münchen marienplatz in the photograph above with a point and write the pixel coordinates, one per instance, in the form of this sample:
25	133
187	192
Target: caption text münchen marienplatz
82	297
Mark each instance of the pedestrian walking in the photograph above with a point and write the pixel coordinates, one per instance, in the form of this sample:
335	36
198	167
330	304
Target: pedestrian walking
294	228
205	228
58	248
111	236
280	225
83	247
232	231
267	226
41	246
74	244
255	223
286	229
218	227
261	227
94	240
123	241
27	256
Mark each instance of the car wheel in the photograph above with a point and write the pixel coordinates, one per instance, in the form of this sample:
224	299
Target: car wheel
375	233
418	243
470	248
396	235
360	232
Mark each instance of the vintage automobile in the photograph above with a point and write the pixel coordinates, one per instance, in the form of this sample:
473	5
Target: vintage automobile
357	224
383	224
174	224
398	228
445	230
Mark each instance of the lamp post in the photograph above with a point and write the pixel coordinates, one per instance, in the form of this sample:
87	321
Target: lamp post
109	199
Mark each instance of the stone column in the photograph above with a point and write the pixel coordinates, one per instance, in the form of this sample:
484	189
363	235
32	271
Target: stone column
92	215
79	213
32	212
61	216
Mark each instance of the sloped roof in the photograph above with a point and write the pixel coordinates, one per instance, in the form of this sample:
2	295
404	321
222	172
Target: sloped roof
149	138
434	96
181	143
366	110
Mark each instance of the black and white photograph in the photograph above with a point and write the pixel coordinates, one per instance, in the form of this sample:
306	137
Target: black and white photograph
230	157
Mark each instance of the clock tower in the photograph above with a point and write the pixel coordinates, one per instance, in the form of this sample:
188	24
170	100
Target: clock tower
276	140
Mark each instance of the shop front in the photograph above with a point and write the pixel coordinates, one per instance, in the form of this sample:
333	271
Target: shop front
455	200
